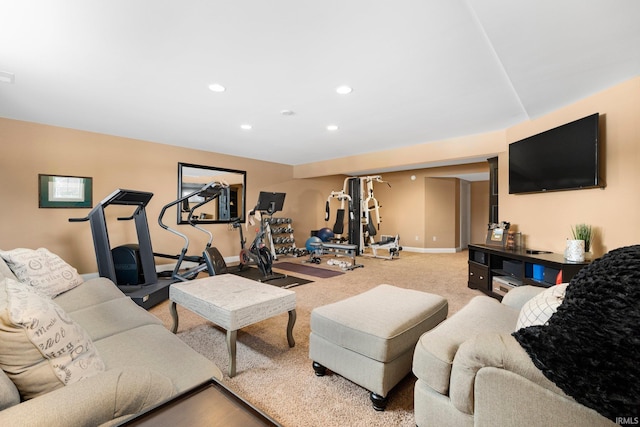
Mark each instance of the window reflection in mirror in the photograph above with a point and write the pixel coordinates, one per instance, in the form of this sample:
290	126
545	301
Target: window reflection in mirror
228	206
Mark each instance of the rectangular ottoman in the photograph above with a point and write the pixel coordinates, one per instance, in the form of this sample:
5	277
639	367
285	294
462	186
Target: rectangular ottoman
370	338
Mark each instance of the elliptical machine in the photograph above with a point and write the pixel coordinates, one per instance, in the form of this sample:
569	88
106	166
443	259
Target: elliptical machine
211	260
258	253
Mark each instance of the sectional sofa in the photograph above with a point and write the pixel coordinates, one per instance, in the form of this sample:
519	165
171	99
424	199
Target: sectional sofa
123	362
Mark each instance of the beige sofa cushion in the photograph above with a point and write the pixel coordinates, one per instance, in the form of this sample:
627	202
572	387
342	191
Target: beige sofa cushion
112	317
155	348
436	349
43	349
42	269
92	292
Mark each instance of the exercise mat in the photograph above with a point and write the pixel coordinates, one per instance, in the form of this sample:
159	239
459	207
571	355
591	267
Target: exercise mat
308	270
254	273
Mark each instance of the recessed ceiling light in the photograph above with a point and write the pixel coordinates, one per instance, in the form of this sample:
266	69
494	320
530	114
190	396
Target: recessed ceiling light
216	87
332	127
344	89
246	126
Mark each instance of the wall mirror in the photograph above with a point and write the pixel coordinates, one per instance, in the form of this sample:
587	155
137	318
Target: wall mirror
227	207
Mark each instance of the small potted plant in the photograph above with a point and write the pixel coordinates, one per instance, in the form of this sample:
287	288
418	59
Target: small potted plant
583	232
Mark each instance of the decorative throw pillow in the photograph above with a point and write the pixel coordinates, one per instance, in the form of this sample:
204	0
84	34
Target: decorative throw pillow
42	348
43	270
590	346
540	308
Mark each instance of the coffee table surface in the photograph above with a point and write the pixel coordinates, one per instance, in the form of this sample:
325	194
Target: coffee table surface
231	301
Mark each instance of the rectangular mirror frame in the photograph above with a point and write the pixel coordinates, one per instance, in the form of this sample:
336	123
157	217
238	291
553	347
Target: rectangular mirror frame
236	195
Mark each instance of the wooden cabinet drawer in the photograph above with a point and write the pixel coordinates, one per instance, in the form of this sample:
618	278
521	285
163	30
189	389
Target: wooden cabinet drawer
478	276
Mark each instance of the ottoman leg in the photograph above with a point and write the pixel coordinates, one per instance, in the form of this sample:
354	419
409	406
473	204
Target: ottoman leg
174	315
319	369
379	402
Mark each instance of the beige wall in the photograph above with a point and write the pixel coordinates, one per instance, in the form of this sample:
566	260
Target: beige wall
545	219
27	149
442	223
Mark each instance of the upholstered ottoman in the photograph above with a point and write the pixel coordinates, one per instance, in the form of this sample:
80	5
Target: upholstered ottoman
370	338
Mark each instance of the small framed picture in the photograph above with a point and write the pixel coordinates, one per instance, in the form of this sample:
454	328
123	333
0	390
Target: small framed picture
55	191
497	233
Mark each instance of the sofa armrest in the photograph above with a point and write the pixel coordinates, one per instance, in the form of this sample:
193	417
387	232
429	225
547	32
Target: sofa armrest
518	296
490	350
93	401
9	394
514	400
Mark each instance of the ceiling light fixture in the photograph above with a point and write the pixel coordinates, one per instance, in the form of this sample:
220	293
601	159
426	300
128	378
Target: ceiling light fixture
344	90
332	128
216	87
287	112
246	126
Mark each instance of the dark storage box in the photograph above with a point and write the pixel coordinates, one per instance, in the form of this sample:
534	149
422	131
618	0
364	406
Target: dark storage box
513	268
550	274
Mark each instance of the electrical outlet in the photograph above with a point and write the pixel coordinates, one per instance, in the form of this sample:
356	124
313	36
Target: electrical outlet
417	238
434	238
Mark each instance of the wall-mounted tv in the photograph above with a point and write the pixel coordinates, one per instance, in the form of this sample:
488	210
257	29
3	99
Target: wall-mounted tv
563	158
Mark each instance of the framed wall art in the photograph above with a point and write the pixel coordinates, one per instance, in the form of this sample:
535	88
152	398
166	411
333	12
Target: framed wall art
55	191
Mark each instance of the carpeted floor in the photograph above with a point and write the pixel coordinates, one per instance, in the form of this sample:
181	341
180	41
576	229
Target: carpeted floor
280	381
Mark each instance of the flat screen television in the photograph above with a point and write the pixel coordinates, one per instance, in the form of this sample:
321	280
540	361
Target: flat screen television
562	158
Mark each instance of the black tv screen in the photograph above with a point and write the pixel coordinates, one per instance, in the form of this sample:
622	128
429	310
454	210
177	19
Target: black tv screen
563	158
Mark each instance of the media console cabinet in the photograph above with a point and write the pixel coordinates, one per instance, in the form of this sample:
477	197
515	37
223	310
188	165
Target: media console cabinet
495	270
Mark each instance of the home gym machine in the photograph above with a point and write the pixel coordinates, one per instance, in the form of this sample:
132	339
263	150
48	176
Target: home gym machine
345	202
131	267
211	260
364	217
258	253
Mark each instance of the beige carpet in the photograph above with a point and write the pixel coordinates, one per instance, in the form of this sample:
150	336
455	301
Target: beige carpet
280	381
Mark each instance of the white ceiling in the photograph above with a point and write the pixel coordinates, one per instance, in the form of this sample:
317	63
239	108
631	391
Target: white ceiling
421	70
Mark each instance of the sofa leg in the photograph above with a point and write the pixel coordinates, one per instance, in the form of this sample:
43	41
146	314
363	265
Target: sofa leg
319	369
379	402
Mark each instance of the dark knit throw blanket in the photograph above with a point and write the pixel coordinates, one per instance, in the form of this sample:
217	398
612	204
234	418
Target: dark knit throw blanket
591	346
